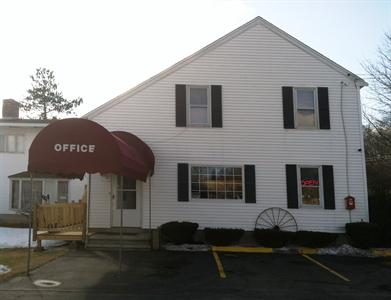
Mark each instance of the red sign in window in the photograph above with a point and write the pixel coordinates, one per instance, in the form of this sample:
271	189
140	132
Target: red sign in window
310	182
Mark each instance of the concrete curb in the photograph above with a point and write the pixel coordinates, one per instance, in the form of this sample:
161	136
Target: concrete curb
377	252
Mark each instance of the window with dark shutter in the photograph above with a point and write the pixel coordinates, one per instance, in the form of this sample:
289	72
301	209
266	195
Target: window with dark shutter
328	187
250	189
288	107
183	182
217	112
180	105
323	106
198	105
291	186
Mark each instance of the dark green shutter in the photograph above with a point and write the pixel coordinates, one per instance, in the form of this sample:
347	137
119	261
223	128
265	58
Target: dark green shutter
323	105
183	182
249	185
180	105
328	187
291	186
287	106
217	111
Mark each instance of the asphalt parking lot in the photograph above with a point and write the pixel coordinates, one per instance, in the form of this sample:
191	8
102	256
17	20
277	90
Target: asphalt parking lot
179	275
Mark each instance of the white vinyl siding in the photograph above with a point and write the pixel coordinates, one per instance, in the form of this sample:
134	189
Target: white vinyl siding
252	67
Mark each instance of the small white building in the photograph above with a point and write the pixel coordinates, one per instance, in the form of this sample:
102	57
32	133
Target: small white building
16	136
255	120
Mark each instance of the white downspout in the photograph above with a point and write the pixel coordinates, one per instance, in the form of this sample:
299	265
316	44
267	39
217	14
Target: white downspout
362	146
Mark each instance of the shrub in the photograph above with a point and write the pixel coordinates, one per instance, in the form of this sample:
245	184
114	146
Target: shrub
178	232
363	234
223	236
314	238
273	238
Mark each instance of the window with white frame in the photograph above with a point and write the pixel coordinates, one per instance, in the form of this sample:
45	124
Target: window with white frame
62	191
126	193
306	108
209	182
310	187
12	143
21	193
198	98
15	194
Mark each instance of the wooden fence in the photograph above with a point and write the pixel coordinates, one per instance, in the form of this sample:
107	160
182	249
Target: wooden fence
59	221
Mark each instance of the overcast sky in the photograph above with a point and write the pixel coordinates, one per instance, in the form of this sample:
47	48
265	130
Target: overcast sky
99	49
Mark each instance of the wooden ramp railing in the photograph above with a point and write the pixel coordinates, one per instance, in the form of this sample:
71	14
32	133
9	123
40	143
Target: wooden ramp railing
59	221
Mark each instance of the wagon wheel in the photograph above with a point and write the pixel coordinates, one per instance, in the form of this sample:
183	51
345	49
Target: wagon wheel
276	218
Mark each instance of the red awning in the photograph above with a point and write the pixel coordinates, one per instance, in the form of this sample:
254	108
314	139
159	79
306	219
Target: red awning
72	147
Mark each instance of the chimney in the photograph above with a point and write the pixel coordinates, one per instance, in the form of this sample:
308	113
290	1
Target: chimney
10	109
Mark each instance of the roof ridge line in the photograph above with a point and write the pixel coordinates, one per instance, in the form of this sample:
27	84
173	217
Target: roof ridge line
173	67
188	59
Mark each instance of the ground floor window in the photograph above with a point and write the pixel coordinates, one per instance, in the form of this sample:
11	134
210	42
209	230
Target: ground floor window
310	188
215	182
21	193
126	193
62	191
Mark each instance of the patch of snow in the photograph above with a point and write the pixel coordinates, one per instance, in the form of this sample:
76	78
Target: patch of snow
4	269
345	250
187	247
18	238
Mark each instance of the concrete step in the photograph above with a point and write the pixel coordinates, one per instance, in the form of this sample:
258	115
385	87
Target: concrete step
116	230
106	247
117	241
109	239
145	236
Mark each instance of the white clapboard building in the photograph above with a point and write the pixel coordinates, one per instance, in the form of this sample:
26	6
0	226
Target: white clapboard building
257	119
16	136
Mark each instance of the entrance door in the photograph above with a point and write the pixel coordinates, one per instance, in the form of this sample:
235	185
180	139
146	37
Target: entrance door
126	193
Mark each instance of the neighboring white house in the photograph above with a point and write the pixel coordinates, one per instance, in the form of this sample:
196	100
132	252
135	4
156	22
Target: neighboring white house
16	136
254	120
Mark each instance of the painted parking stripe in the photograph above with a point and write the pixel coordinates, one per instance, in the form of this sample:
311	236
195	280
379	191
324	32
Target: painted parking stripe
326	268
219	265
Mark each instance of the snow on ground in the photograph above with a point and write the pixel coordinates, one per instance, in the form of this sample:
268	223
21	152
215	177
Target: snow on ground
18	238
4	269
345	250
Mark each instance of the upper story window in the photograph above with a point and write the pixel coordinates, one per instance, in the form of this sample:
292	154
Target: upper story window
198	99
310	186
306	108
12	143
198	105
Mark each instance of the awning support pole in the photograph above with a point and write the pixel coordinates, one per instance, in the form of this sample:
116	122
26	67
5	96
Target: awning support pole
30	224
88	210
150	212
120	235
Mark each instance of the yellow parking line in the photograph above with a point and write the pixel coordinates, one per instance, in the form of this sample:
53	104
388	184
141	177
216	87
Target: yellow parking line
326	268
219	265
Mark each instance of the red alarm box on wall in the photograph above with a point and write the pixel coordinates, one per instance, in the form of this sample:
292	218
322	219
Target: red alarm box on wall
350	202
